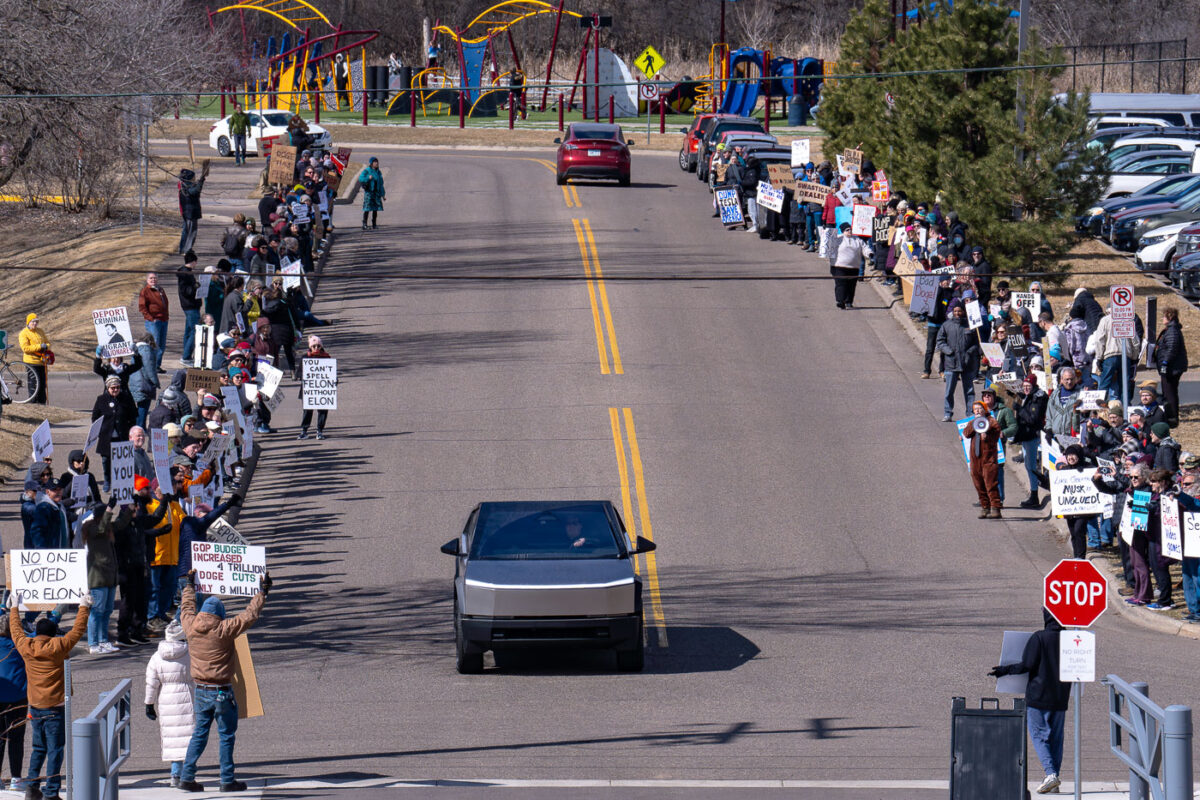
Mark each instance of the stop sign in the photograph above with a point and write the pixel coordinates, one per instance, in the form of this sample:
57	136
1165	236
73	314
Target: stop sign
1076	593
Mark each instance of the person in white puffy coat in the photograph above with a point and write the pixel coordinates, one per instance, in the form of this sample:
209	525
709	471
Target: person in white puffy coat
169	690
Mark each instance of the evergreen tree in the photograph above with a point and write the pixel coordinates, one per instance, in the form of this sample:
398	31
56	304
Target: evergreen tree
955	134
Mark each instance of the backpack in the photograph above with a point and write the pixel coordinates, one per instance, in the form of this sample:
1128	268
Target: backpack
231	243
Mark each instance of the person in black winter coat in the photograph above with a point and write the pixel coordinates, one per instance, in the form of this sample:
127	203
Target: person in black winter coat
1046	697
1030	410
188	286
983	274
1093	312
1171	358
119	413
1074	458
190	188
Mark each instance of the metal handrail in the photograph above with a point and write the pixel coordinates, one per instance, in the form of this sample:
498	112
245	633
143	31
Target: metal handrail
102	744
1159	757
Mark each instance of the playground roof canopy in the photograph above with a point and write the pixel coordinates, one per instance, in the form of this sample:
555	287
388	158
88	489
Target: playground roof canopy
500	18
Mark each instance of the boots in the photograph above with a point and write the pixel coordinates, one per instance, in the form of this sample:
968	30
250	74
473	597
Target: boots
996	513
984	512
1032	501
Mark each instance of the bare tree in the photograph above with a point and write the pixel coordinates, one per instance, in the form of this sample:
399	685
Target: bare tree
754	20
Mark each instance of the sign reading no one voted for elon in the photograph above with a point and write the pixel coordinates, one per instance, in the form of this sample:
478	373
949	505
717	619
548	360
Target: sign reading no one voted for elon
228	570
49	576
320	384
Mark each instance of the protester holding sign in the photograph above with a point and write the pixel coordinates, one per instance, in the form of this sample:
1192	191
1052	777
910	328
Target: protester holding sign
316	350
44	656
99	538
1030	409
1135	546
961	350
846	258
119	414
194	528
1077	462
983	435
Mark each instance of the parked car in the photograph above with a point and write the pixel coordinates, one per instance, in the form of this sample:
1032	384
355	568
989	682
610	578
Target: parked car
1156	249
1124	183
1164	190
263	124
734	138
546	573
1147	223
1133	161
1142	144
708	142
593	150
1185	272
1120	208
691	141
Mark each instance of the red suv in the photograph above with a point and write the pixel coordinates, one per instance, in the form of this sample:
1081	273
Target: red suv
691	144
593	150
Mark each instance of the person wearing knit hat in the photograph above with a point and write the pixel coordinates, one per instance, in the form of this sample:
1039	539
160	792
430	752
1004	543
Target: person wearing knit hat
1148	394
118	413
315	350
1166	449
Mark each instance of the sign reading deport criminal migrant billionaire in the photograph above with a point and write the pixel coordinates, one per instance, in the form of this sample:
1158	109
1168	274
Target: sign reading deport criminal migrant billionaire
320	384
228	570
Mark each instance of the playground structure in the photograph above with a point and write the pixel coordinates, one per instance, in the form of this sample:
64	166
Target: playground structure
738	79
314	71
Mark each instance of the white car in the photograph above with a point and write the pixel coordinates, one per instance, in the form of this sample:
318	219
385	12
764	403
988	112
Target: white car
271	122
1156	248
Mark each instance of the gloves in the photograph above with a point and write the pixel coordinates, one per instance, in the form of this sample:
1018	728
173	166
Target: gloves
266	584
191	576
112	502
150	712
99	351
236	500
998	672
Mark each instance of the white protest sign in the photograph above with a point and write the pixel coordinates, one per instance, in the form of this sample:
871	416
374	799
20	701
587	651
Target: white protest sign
924	293
1073	493
1028	300
203	283
206	343
1092	399
271	378
974	315
49	576
121	467
80	486
994	354
93	436
1172	533
241	322
112	331
233	402
217	448
861	219
1076	656
1012	650
844	197
221	531
1126	527
162	458
1191	534
320	384
43	445
769	197
801	149
291	274
1051	454
228	570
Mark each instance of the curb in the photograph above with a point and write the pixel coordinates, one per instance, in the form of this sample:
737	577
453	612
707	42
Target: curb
1140	616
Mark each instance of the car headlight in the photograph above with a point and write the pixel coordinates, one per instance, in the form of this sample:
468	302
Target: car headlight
1094	211
1151	241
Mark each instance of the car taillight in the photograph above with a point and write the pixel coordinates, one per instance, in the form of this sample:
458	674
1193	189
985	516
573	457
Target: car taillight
695	145
213	128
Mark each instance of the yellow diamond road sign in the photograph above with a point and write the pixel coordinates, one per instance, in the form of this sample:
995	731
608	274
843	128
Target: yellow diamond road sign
649	62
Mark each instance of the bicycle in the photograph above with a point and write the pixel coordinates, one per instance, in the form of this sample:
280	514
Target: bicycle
19	381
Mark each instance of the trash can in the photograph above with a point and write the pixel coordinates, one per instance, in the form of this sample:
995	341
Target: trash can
795	112
987	751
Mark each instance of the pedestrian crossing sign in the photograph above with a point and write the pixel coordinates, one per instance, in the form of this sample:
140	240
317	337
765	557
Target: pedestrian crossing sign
649	62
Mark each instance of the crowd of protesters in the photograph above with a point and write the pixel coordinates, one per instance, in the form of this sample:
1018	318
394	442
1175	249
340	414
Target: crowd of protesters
253	310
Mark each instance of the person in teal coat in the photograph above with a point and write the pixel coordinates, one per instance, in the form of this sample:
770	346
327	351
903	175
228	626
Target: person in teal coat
371	180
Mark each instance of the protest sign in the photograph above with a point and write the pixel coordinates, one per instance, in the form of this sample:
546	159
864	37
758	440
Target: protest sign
217	447
1072	492
320	384
1092	400
851	160
49	576
994	354
1191	534
162	457
202	380
282	169
1140	509
801	150
206	344
1172	532
880	226
974	315
721	168
291	273
780	176
112	332
93	435
203	284
862	219
1126	527
1051	453
770	198
1028	300
121	467
245	681
221	531
80	486
1012	650
845	198
730	207
43	444
966	444
880	191
812	192
228	570
271	378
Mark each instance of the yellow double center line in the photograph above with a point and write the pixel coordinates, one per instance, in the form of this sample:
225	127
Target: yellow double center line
643	517
596	290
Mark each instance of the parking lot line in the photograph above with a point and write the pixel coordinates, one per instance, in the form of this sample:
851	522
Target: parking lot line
612	333
639	481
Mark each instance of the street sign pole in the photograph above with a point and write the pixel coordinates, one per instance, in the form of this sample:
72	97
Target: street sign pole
1077	690
1123	319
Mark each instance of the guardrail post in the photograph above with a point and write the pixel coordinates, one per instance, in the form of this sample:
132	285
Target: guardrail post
511	112
1177	753
222	102
412	108
85	760
560	111
462	109
662	113
611	118
317	107
1138	788
364	104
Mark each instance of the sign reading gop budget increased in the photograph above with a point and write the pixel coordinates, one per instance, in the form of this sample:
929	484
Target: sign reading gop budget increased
320	384
229	570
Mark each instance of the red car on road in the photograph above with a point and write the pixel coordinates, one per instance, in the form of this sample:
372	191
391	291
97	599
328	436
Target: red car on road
593	150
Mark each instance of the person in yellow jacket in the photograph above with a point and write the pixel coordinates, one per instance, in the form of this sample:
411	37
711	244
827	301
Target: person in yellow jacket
165	558
35	350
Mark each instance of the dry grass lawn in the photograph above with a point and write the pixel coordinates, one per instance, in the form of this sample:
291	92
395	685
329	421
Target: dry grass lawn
16	426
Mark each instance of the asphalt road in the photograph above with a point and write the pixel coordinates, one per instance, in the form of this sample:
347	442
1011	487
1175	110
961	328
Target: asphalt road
825	586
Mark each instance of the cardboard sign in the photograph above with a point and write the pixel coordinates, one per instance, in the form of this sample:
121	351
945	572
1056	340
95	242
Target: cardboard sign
924	293
1092	400
93	435
228	570
862	220
221	531
202	380
1172	531
812	192
1028	300
1191	534
121	468
1072	493
801	150
49	576
1076	656
245	681
320	384
730	207
994	354
206	345
162	458
112	332
770	198
974	314
43	444
852	160
780	176
721	168
283	165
